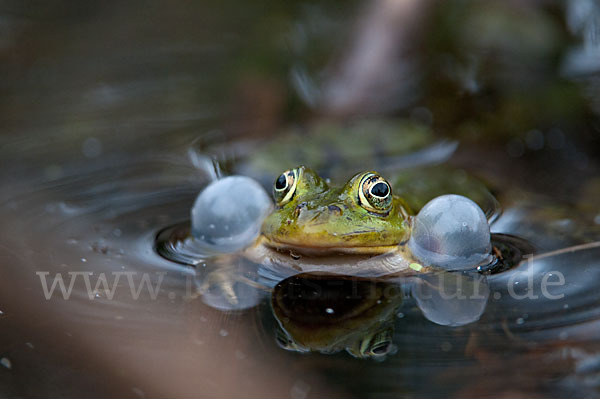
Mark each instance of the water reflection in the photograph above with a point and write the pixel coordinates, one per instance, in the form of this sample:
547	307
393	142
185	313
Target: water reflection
452	299
328	313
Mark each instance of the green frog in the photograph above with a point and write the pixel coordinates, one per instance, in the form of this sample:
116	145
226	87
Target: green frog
359	228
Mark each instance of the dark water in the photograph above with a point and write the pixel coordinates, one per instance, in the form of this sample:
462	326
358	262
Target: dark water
108	110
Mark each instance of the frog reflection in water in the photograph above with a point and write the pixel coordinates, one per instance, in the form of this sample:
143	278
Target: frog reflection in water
329	313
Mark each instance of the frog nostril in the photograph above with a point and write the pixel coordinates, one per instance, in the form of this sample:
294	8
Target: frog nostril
335	210
299	208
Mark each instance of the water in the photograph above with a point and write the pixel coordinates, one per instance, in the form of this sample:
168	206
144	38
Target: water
107	112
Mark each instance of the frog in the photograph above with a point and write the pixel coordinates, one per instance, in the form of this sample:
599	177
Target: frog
359	227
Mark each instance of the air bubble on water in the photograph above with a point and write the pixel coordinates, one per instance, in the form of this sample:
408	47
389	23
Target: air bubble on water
400	315
228	213
452	232
520	321
223	333
6	363
1	313
83	260
29	345
329	311
597	219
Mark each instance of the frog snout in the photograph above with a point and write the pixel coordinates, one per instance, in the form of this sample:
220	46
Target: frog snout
319	215
298	209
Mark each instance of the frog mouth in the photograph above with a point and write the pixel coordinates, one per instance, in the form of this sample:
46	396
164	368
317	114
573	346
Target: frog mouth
321	248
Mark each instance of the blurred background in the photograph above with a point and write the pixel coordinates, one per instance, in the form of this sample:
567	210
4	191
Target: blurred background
104	107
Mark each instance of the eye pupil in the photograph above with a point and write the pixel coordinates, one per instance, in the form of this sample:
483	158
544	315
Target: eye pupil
375	194
380	190
281	182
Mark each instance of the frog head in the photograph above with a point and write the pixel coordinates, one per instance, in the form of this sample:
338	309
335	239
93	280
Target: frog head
362	216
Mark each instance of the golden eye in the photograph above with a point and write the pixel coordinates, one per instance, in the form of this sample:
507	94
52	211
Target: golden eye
375	194
379	345
285	186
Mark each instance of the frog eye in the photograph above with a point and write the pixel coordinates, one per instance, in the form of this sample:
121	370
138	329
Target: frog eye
285	186
375	194
379	345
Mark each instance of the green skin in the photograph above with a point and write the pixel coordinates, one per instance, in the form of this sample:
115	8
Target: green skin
323	219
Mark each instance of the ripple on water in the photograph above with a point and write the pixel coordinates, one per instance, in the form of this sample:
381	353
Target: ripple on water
85	231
